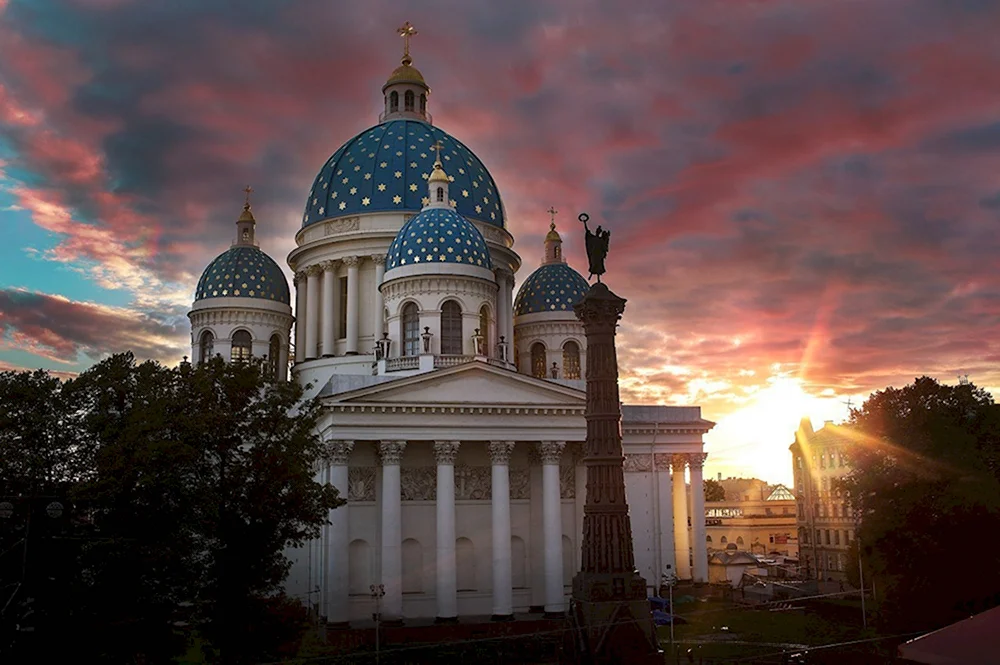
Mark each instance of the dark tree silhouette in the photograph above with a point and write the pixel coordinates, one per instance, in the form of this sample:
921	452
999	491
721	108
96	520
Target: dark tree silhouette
714	491
186	485
924	483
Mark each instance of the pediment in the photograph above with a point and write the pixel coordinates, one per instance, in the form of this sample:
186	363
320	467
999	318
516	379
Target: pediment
472	383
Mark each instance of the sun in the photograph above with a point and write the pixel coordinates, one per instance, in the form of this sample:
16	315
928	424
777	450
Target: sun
754	439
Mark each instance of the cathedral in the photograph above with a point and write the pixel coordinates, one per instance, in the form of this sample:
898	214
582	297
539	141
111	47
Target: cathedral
453	409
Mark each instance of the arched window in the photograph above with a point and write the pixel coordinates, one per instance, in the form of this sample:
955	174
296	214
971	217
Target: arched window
723	540
393	101
538	360
484	327
423	103
451	329
408	100
205	347
274	357
571	360
439	196
739	541
411	330
708	539
242	346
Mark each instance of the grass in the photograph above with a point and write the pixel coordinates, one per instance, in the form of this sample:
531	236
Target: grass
719	629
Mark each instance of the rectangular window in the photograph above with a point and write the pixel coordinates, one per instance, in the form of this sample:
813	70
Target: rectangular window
836	537
342	322
819	537
827	536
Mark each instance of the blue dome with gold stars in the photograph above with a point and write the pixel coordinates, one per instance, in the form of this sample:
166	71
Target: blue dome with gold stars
438	235
243	271
386	168
554	287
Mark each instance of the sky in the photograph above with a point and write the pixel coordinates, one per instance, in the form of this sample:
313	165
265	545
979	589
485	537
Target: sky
804	195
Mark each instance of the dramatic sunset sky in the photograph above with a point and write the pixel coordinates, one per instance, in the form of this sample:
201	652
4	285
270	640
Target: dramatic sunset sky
804	194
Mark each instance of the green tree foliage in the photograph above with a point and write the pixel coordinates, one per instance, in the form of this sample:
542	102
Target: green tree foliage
714	491
925	488
193	481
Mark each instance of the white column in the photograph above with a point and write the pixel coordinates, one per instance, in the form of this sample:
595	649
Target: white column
338	539
698	550
300	316
352	304
550	452
503	597
312	310
447	581
681	546
666	525
326	307
378	317
391	453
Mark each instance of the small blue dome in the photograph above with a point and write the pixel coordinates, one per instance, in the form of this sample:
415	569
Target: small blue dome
386	168
438	235
553	287
243	271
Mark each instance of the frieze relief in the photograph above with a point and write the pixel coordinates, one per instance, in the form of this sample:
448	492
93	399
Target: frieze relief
342	225
473	483
361	483
638	463
418	483
520	486
567	482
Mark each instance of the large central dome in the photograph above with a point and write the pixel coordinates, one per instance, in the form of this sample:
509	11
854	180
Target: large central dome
386	168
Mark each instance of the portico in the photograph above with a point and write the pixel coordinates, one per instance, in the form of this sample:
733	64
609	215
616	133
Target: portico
462	508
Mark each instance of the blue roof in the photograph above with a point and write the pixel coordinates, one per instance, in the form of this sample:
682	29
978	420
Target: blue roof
243	271
553	287
438	235
386	168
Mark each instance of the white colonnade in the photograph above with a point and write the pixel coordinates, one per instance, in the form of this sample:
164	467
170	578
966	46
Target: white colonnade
318	307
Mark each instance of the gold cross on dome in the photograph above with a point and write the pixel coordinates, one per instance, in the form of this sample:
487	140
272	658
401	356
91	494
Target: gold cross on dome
552	214
406	31
248	190
437	147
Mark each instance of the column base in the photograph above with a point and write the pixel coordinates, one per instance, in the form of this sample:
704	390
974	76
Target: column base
502	617
328	355
536	609
445	620
351	353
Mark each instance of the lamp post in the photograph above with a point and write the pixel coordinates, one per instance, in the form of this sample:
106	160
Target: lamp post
669	579
426	337
377	593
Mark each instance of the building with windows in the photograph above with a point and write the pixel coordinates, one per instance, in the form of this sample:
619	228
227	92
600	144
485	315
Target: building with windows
453	410
762	524
825	522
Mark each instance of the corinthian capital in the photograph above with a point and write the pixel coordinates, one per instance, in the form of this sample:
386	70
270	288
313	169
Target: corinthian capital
391	452
679	462
500	452
378	259
329	266
351	261
314	270
550	452
697	460
445	452
338	451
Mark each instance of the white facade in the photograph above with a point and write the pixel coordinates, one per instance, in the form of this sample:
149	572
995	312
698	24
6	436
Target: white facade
462	466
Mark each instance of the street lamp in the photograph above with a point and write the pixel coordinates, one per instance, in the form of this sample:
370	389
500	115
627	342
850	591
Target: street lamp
377	593
670	580
426	337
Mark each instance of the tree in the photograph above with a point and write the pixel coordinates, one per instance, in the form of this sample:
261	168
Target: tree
195	481
923	482
714	491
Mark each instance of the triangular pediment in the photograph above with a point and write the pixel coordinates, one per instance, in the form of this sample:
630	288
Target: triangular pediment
471	383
